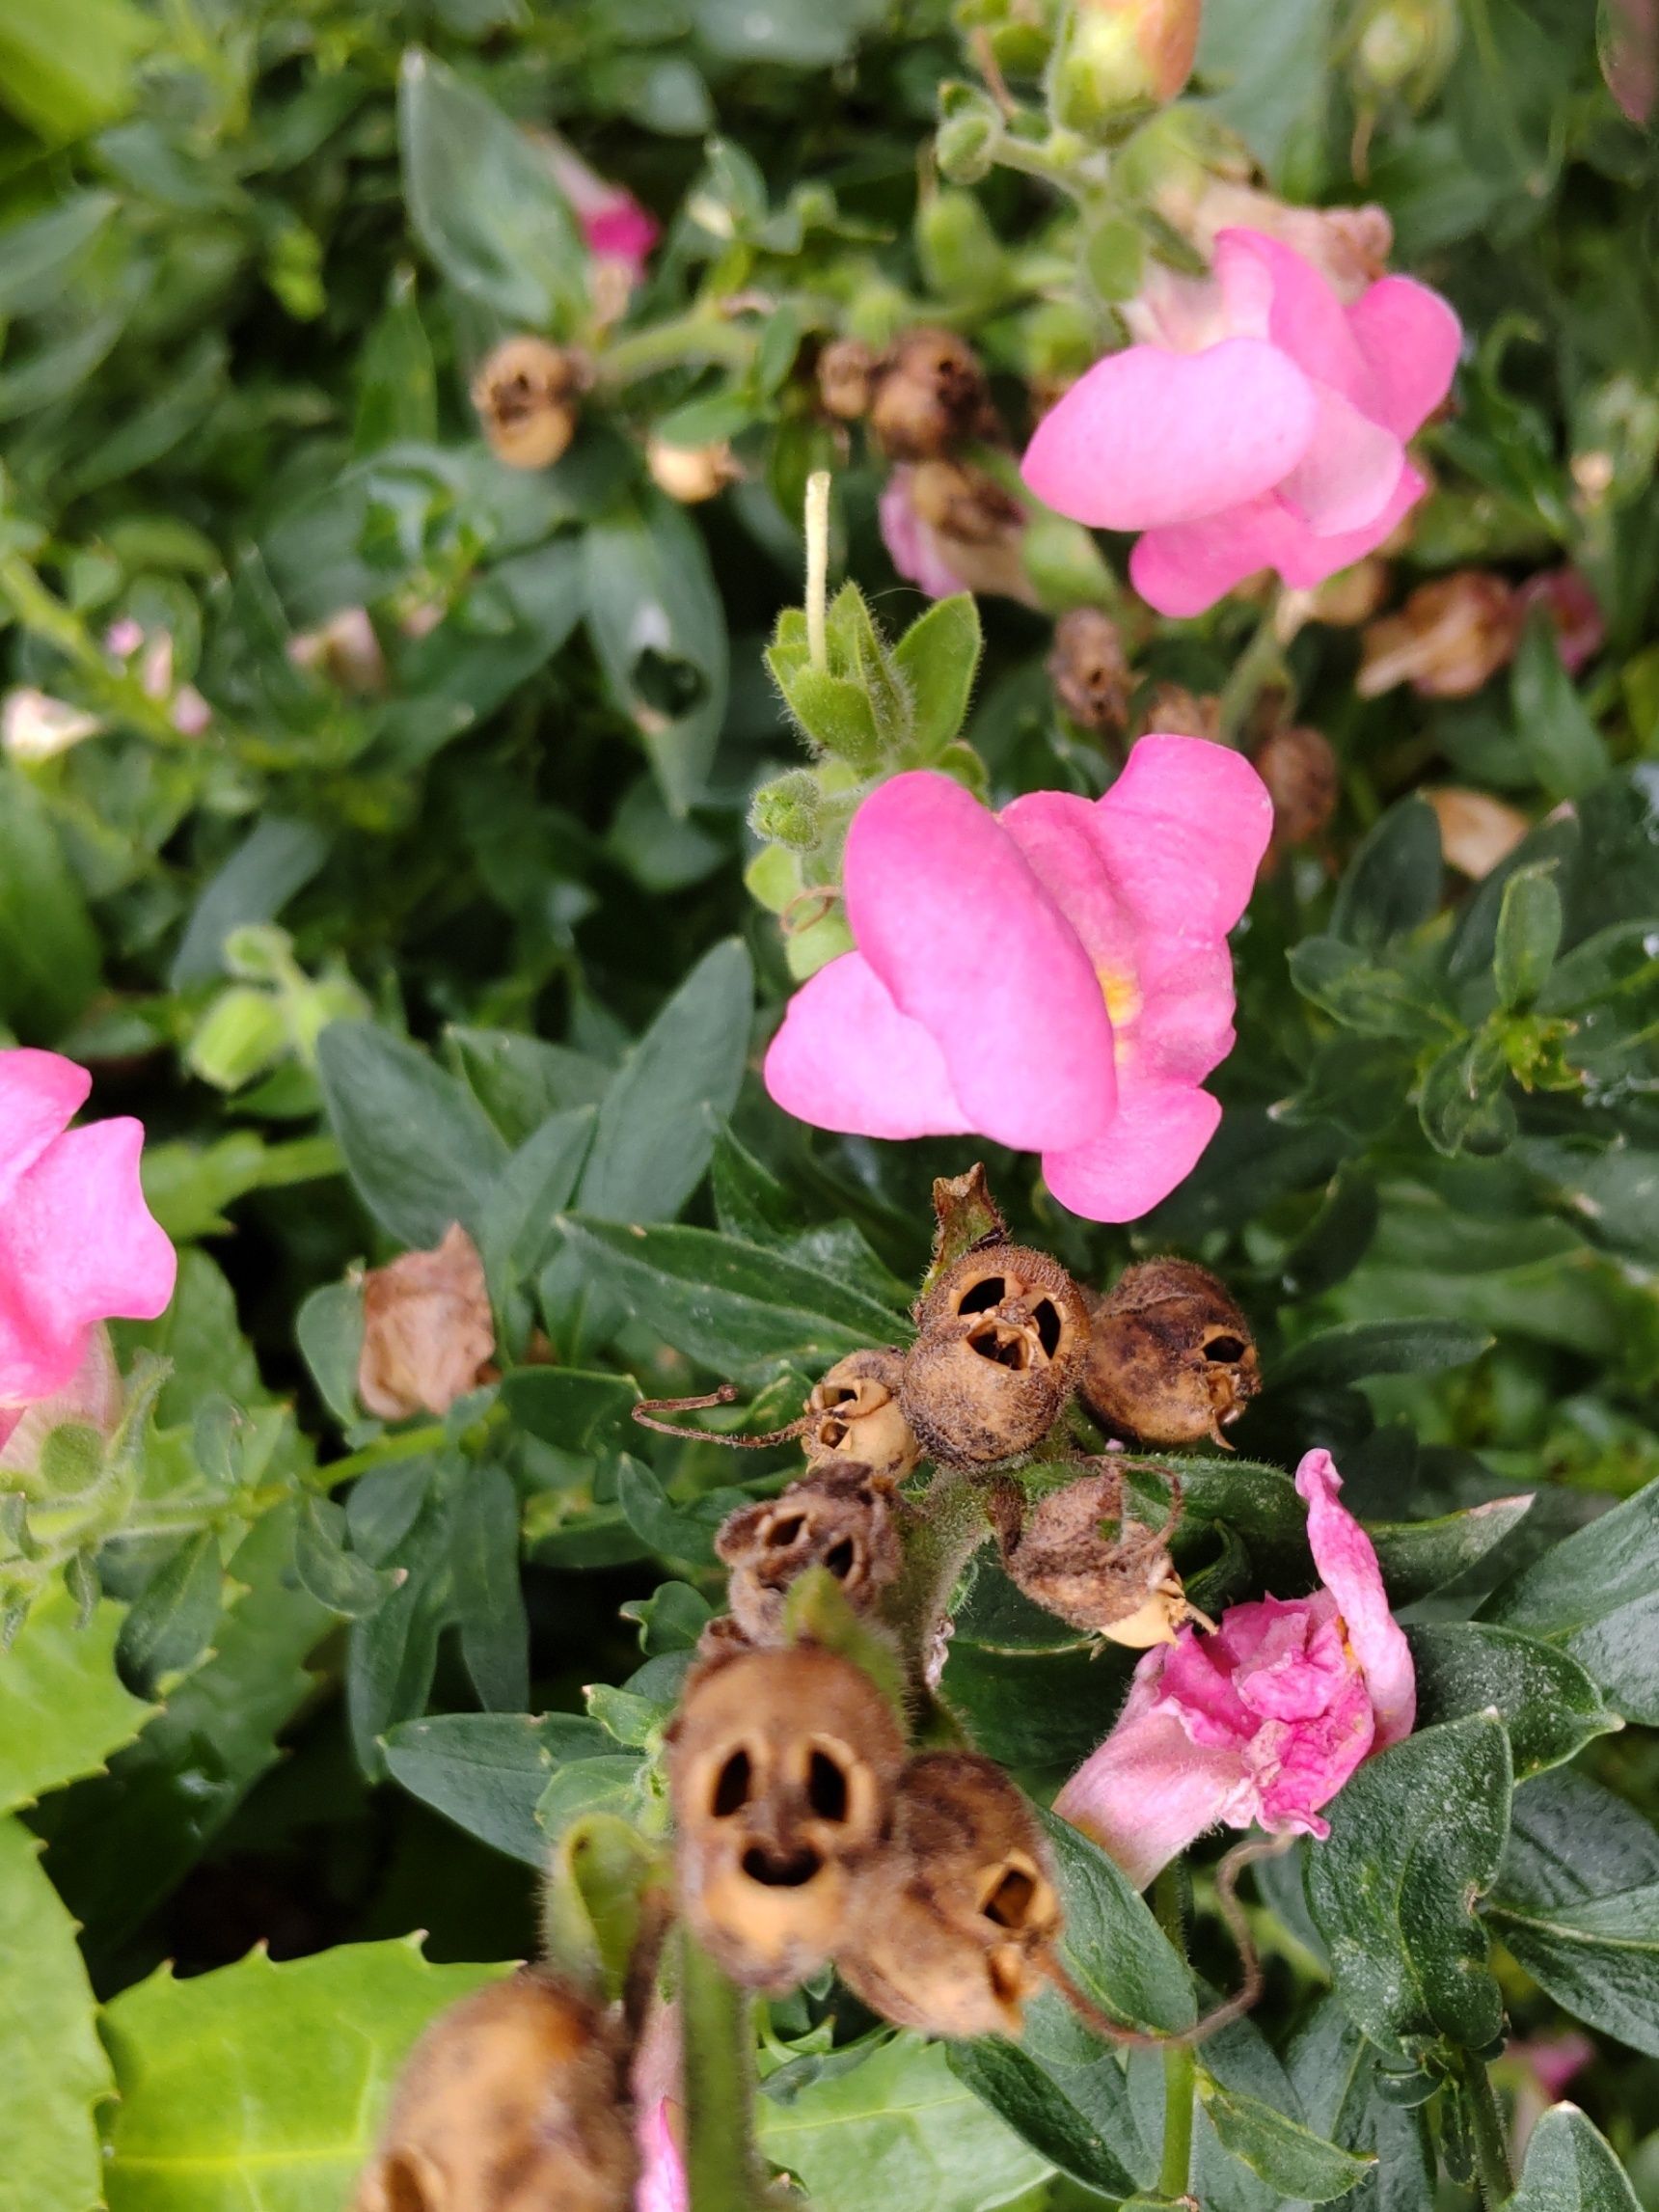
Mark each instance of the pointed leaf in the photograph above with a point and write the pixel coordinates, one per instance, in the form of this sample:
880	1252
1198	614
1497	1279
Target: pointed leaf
1288	2156
63	1707
417	1146
55	2071
1571	2167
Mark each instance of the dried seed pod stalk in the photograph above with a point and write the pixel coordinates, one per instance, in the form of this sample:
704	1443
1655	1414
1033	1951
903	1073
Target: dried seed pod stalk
781	1771
1002	1335
854	1413
525	394
512	2099
952	1926
1170	1357
1122	1585
840	1517
932	398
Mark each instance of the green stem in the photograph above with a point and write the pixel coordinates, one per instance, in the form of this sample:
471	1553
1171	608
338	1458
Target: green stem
408	1445
1262	659
949	1530
1486	2125
701	338
1180	2065
718	2040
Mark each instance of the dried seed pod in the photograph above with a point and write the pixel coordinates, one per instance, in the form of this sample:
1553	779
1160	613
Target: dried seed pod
1303	780
511	2100
526	396
952	1925
781	1771
932	398
692	474
1002	1336
839	1516
854	1413
1122	1585
847	378
1170	1357
1089	669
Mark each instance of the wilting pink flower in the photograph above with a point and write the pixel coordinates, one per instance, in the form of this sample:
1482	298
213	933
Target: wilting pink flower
77	1242
92	1398
616	227
950	526
1268	432
912	547
1574	610
1262	1720
1630	41
1055	977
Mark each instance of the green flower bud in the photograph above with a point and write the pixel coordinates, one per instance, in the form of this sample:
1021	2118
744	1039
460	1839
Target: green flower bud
969	130
961	254
787	810
1403	49
241	1034
1119	57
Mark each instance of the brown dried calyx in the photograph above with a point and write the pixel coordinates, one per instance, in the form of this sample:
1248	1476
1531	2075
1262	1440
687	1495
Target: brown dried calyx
513	2099
1121	1585
781	1771
953	1925
1002	1336
931	397
854	1413
525	394
840	1518
1170	1357
427	1330
1090	671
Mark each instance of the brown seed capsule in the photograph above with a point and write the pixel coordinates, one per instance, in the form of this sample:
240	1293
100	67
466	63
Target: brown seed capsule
854	1413
427	1330
526	396
1170	1358
1002	1336
692	474
951	1924
931	396
510	2101
1303	781
1173	711
1121	1585
847	378
781	1771
840	1517
1089	669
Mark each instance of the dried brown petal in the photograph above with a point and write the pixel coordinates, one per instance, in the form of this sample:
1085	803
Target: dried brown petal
840	1518
847	378
1448	639
1089	669
932	398
510	2101
1061	1555
526	396
1001	1334
978	529
781	1771
950	1927
1170	1359
1303	781
1475	829
427	1330
854	1413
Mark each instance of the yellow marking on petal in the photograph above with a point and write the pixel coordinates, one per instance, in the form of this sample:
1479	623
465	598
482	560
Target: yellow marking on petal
1122	993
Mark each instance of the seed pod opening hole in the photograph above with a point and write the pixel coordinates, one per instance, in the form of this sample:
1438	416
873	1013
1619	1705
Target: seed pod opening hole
1011	1893
1225	1348
781	1870
733	1786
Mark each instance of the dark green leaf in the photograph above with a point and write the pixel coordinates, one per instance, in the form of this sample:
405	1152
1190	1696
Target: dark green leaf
48	948
335	1577
417	1146
1337	1238
169	1627
1420	1556
1391	886
1559	739
521	1082
576	1411
1462	1101
276	860
1112	1945
939	657
1357	1349
487	1771
1548	1703
329	1329
672	1531
1596	1595
489	1598
1034	2104
1288	2156
535	1185
1571	2167
1529	936
1375	1001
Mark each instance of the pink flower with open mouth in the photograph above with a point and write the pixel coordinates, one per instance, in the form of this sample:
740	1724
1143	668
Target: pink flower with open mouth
1265	1720
1055	977
77	1242
1266	430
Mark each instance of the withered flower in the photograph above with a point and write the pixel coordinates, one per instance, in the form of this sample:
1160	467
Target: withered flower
847	378
1122	1585
692	474
1475	829
931	396
427	1330
1089	669
853	1412
781	1771
525	394
511	2100
1303	780
950	1927
1001	1334
1170	1358
1448	639
840	1517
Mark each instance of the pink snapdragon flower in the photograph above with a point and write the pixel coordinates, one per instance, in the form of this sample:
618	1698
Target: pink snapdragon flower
1265	428
77	1242
1055	977
618	231
91	1399
1265	1720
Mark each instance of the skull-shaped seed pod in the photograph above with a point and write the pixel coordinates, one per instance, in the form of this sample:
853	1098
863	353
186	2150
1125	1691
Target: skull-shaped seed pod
525	394
840	1517
511	2100
846	378
1002	1335
781	1771
854	1413
932	398
1122	1585
951	1926
1170	1358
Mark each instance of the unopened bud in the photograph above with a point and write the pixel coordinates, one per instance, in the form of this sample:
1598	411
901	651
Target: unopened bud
1170	1358
1303	781
36	727
961	254
427	1330
241	1034
932	398
1404	48
847	378
345	650
692	474
1120	56
788	810
86	1411
526	396
965	145
1446	641
1089	669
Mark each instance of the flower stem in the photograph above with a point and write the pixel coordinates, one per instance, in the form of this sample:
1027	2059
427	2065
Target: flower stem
1262	659
718	2045
407	1445
818	567
1486	2126
701	338
949	1529
1180	2065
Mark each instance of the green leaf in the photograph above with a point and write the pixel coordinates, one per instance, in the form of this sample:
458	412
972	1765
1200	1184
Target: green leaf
1375	1000
656	1128
489	1597
55	2071
418	1148
1288	2156
63	1707
1357	1349
49	957
279	2070
274	862
1463	1101
535	1187
487	1772
734	1307
1418	1557
899	2124
1025	2093
611	1783
566	1407
397	380
1529	936
1334	2071
329	1331
521	1082
1597	1596
69	68
39	254
939	658
170	1623
1391	886
1571	2167
482	201
334	1574
672	1531
1548	1703
1112	1945
1562	746
1416	1839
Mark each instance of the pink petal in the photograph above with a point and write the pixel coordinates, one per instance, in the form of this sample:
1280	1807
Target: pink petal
1149	438
1411	339
847	1059
1153	1144
957	926
92	1397
661	2186
1059	835
1349	474
39	1095
1347	1562
912	548
1184	828
623	232
1273	294
1149	1792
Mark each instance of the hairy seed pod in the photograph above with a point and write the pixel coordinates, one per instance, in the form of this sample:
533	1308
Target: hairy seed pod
854	1413
692	474
1000	1339
839	1516
950	1926
526	396
846	378
1089	669
931	399
1121	1585
781	1771
1170	1357
511	2100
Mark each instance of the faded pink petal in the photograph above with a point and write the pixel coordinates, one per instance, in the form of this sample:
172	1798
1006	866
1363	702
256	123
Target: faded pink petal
1149	1792
1347	1561
912	548
1348	472
92	1398
655	2080
846	1058
1575	610
663	2186
1412	340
